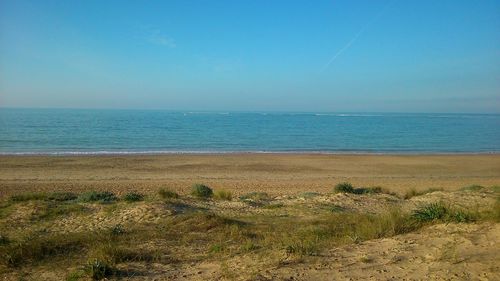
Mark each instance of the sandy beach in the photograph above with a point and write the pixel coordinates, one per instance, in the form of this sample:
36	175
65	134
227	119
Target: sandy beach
275	174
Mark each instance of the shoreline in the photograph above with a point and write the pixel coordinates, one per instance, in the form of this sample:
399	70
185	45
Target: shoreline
208	153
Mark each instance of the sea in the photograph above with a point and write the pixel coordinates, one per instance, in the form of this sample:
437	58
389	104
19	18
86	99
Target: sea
98	131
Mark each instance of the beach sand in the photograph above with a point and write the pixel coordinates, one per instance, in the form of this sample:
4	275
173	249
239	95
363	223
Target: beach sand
276	174
290	234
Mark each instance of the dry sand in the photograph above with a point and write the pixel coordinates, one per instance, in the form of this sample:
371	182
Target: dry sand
275	174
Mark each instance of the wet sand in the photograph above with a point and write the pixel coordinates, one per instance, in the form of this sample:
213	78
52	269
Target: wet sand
275	174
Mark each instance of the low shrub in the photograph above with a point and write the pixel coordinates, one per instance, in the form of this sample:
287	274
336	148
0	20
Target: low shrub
133	197
201	191
223	195
344	187
167	194
95	196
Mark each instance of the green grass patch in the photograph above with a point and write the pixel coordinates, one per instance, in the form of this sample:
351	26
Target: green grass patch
52	210
473	187
343	187
96	196
201	191
442	213
133	197
346	187
29	196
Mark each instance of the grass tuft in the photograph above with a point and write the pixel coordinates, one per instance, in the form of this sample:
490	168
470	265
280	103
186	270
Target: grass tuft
95	196
98	270
223	195
440	212
201	191
344	187
167	194
430	212
133	197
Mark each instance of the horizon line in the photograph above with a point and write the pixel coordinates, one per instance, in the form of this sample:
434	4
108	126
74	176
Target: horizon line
244	111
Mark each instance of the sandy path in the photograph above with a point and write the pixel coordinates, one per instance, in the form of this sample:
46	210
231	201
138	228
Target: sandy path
272	173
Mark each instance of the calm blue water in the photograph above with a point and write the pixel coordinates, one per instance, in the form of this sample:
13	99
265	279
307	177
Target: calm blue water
135	131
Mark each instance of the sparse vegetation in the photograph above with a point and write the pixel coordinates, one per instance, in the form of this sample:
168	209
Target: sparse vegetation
167	194
413	192
3	239
98	270
201	191
197	227
95	196
52	210
28	197
54	196
133	197
308	195
473	187
255	196
62	196
223	195
274	206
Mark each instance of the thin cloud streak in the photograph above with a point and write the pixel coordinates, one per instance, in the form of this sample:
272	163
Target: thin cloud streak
361	31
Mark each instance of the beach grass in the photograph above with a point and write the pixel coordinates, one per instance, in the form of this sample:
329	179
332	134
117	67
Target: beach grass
198	231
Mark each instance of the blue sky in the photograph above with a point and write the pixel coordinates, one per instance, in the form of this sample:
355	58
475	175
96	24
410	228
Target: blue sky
342	56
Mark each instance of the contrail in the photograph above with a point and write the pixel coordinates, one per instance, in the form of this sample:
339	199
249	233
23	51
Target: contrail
339	52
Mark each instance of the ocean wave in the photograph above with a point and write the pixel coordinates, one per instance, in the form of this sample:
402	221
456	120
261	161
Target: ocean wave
348	115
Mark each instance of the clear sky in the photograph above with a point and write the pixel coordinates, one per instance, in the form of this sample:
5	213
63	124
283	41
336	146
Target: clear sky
342	56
